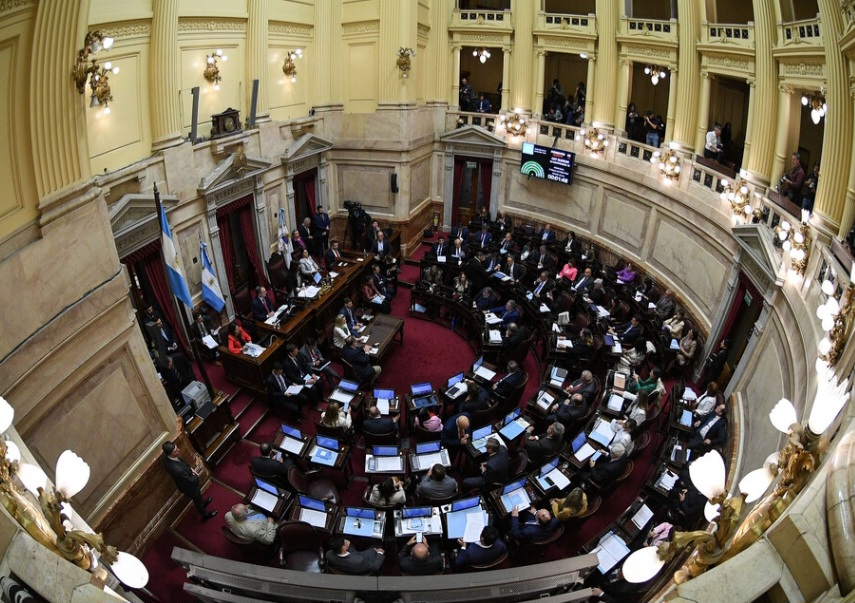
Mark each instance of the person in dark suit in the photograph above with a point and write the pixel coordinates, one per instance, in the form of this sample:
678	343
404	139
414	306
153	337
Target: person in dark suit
584	385
353	325
514	335
508	313
507	245
167	343
628	332
298	371
458	251
715	364
597	295
485	299
567	412
546	444
177	375
483	238
477	398
381	247
186	480
262	307
277	384
416	559
376	424
494	470
711	431
584	282
532	525
321	230
504	386
271	463
513	270
544	259
332	255
357	355
314	359
484	552
573	246
606	469
546	234
455	434
307	234
440	248
459	232
351	561
201	328
543	285
492	262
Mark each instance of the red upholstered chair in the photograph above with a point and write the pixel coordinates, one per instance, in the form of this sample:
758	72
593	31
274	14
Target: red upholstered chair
300	548
321	488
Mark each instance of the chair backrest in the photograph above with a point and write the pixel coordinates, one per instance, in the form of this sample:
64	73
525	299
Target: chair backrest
594	503
479	418
366	498
540	544
243	301
232	537
278	271
298	536
521	351
373	439
340	433
518	465
423	435
436	502
275	478
297	479
626	472
490	565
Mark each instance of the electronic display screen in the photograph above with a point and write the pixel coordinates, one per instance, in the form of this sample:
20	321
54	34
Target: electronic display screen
547	163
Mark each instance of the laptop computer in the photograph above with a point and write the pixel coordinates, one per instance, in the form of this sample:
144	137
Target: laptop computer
579	441
479	436
385	458
420	390
266	486
360	512
426	401
428	447
317	278
348	386
429	454
513	425
384	394
313	511
466	503
456	386
323	455
482	371
293	440
514	496
328	443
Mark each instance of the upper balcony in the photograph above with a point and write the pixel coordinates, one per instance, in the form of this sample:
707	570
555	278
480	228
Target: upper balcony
727	36
481	19
799	37
557	23
647	30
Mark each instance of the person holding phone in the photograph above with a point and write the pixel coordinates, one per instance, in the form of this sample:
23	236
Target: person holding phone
416	559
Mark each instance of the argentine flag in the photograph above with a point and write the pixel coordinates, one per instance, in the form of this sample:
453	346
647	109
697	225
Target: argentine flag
173	265
211	292
286	247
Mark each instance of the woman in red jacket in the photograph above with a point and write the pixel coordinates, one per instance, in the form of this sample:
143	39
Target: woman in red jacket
237	338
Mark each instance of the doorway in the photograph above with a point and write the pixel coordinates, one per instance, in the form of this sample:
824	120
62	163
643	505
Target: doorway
739	326
473	178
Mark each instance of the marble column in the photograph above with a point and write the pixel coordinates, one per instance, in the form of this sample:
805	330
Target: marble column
397	30
589	83
60	148
671	112
763	117
437	74
539	83
746	153
849	207
256	57
524	15
506	76
326	88
840	509
832	194
454	101
605	90
164	79
624	68
782	150
689	66
703	111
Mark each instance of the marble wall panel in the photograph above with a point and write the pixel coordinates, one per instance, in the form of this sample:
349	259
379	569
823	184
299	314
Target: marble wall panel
188	243
624	220
676	254
367	184
550	200
419	182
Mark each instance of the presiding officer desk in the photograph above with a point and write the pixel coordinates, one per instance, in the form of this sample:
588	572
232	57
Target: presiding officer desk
310	319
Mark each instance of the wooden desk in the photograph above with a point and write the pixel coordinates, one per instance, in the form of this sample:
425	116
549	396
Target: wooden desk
251	372
215	435
281	507
564	467
381	332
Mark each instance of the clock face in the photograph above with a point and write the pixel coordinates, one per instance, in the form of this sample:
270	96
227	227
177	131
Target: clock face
229	124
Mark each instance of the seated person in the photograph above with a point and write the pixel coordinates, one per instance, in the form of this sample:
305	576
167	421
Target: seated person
262	307
308	267
665	306
332	255
546	234
584	385
459	232
433	277
508	313
584	282
388	492
653	383
514	335
674	325
514	377
634	357
483	238
334	417
298	371
604	471
484	552
340	331
567	412
492	262
583	345
542	287
485	299
513	270
569	271
542	446
708	401
532	525
277	393
382	283
627	275
477	398
271	462
314	359
436	484
545	260
253	526
381	247
659	534
624	430
178	373
373	297
353	325
439	249
376	424
455	434
628	332
357	355
201	328
237	338
709	432
494	470
685	504
351	561
462	287
416	559
507	245
572	505
688	347
428	419
638	408
457	252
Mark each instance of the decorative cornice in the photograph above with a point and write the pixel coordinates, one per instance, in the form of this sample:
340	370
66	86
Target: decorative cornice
360	28
729	63
423	31
290	29
9	5
481	38
126	29
653	52
191	24
803	69
563	42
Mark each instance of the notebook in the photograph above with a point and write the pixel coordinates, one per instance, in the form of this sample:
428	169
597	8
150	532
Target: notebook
615	403
479	369
610	551
495	336
545	400
642	516
602	432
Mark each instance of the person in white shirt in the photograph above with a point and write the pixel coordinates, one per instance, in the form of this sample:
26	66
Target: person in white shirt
624	430
707	402
713	149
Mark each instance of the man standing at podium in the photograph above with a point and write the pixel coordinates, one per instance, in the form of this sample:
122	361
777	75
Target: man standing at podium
185	478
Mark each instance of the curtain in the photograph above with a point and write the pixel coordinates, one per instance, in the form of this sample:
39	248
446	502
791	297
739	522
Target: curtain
486	169
743	286
310	196
455	192
152	265
226	248
246	227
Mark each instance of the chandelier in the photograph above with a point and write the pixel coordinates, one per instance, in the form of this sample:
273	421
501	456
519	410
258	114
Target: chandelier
212	70
656	73
289	68
514	123
595	141
668	164
482	54
818	105
87	69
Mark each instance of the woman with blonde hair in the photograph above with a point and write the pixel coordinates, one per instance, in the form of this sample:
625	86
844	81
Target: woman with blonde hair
333	417
573	505
340	331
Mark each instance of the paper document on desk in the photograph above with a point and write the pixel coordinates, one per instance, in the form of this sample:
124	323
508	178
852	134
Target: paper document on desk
610	551
382	405
340	396
264	500
373	350
615	403
545	400
544	308
651	306
667	480
377	299
558	479
642	516
387	463
602	432
562	343
209	342
440	259
310	291
617	348
584	453
334	274
253	350
492	319
294	389
689	394
474	527
602	312
495	336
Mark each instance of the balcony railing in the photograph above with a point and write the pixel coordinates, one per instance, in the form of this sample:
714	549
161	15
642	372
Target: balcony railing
565	22
649	28
482	18
800	32
728	34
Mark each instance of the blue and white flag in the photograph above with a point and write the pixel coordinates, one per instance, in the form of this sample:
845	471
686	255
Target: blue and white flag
177	282
286	247
211	292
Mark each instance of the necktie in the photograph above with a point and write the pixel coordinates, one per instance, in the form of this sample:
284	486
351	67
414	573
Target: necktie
539	288
281	381
294	360
337	254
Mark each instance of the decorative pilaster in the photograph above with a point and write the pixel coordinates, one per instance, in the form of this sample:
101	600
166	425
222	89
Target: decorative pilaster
454	101
163	76
256	57
326	87
763	120
538	86
752	98
849	207
832	194
622	94
689	66
589	83
785	106
438	75
58	123
506	75
605	90
524	14
671	113
397	30
703	111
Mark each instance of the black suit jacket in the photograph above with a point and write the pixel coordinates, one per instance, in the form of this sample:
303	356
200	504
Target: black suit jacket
548	286
717	434
305	234
185	480
330	259
497	467
444	250
263	465
259	310
542	447
357	562
606	471
387	248
506	384
408	565
475	554
294	372
360	361
575	248
380	426
583	284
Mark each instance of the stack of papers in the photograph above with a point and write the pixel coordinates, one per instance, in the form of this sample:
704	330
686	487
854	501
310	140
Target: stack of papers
209	342
341	396
615	403
544	308
264	500
584	453
492	319
545	400
602	432
495	336
563	343
554	478
333	274
667	480
382	405
475	523
642	516
308	292
610	551
602	312
617	348
253	350
294	389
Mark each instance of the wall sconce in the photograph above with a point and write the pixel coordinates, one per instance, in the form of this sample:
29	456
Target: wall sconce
212	70
289	68
796	241
49	523
514	123
656	73
836	322
738	195
482	54
818	105
595	141
668	164
87	69
404	61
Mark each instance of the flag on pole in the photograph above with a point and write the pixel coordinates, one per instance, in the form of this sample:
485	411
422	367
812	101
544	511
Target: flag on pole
211	292
173	266
286	247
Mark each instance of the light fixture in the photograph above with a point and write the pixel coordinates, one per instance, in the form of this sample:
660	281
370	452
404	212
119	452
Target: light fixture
212	70
642	565
514	123
87	69
831	396
595	141
482	54
817	103
289	68
404	61
754	484
738	195
130	570
583	56
796	241
783	415
836	321
656	73
668	164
